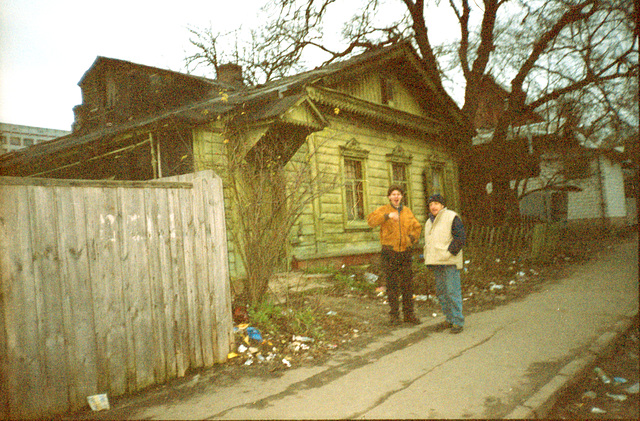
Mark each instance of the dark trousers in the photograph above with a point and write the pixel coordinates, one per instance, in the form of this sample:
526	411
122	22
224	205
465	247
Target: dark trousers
399	274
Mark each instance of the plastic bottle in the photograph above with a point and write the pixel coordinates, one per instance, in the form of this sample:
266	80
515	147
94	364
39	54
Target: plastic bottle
602	375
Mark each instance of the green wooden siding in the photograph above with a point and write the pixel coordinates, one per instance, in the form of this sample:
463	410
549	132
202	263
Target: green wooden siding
323	229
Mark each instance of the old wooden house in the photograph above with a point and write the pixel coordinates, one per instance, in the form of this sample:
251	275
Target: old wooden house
372	120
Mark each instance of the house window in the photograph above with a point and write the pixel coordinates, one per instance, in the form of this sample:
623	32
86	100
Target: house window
354	185
437	181
399	177
27	142
354	189
4	140
559	206
15	141
112	93
400	164
386	87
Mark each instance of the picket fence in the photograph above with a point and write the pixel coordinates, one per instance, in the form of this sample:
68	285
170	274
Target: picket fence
108	287
526	241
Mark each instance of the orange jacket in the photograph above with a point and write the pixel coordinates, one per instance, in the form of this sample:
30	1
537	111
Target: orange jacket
398	234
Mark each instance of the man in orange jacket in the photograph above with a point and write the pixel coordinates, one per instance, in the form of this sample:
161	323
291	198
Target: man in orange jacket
399	231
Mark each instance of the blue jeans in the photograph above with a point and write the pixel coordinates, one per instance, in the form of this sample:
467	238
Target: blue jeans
449	292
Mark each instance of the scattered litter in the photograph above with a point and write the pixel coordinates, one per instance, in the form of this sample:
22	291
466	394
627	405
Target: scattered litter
619	380
617	397
434	314
253	349
497	260
260	358
494	286
242	348
249	361
633	389
421	297
254	333
370	277
331	313
596	410
521	274
466	262
98	402
232	355
589	395
302	339
512	282
286	362
602	375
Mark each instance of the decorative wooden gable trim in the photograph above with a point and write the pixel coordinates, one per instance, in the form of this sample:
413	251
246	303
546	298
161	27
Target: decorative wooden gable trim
353	149
375	111
305	113
400	156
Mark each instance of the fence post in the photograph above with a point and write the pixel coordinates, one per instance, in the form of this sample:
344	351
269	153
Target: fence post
545	239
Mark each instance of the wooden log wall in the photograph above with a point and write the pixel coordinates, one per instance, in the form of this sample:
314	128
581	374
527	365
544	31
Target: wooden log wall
108	287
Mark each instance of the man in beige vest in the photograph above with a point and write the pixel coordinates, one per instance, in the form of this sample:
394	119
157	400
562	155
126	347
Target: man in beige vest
443	240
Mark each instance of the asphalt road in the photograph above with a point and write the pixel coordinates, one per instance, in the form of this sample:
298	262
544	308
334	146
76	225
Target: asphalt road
508	362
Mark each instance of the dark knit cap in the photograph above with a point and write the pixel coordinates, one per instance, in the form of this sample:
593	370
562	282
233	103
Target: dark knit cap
436	198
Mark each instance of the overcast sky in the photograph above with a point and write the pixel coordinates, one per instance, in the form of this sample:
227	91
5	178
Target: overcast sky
47	45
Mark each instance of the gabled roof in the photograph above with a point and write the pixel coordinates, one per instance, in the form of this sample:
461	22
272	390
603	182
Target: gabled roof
101	62
272	100
489	84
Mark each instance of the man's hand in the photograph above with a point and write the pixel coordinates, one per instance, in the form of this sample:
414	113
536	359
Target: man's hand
395	216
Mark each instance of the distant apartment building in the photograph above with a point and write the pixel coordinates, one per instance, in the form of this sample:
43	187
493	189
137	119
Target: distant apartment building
16	136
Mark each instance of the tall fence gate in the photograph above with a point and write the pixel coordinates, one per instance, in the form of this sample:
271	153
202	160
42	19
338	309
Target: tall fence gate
108	287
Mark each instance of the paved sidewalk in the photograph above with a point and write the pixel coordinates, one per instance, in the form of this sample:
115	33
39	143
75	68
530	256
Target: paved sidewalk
510	362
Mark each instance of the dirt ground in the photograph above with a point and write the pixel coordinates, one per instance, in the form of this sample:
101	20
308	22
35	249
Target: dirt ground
613	398
351	308
348	310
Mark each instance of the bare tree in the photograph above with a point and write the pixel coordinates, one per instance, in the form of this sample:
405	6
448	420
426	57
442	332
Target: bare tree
544	50
270	184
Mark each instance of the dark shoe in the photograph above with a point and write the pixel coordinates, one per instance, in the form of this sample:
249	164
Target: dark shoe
456	329
441	327
394	320
412	319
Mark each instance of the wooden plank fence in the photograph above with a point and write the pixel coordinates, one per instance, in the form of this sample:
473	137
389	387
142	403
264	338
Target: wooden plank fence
108	287
533	242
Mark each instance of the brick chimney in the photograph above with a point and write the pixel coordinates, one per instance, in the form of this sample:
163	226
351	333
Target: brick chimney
230	74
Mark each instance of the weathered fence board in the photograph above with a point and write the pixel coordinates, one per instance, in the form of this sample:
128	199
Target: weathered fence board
108	287
533	242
